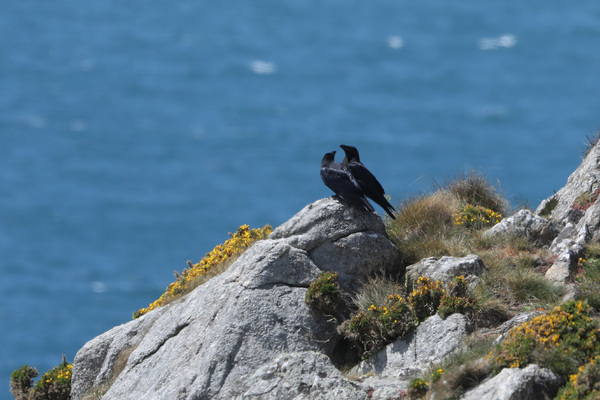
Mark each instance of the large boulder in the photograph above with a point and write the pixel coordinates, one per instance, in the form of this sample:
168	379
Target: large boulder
529	383
221	334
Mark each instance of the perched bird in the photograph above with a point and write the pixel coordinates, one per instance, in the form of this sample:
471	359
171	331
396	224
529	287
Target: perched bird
338	179
367	182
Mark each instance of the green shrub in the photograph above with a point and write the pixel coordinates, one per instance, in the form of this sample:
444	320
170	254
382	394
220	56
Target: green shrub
324	293
476	217
585	384
389	318
21	381
372	328
561	340
450	305
425	298
54	384
396	319
549	207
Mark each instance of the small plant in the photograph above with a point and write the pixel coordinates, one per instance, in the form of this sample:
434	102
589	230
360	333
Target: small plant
450	305
324	293
21	381
476	217
588	276
437	374
396	319
585	200
425	298
417	388
385	319
585	384
461	370
215	262
549	207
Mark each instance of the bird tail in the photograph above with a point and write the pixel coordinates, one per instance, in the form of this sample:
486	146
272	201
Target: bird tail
390	210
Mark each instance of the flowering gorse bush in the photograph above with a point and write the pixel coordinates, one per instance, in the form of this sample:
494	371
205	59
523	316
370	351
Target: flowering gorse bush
476	217
53	385
585	384
561	340
233	247
324	293
383	323
425	298
395	319
456	298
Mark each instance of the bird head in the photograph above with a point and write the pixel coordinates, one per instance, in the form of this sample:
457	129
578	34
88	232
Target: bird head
351	152
328	158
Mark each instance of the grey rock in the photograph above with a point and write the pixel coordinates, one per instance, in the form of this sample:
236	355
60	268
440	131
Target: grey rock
447	268
222	333
296	376
523	223
326	220
407	358
585	179
576	227
529	383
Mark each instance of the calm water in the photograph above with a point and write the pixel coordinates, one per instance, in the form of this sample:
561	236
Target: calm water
134	136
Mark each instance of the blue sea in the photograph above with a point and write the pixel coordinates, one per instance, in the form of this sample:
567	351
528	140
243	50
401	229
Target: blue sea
135	135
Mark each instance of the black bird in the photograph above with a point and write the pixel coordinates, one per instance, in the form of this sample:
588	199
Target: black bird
367	182
339	179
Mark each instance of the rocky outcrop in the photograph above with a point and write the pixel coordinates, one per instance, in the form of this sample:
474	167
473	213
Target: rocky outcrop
249	324
447	268
529	383
248	334
575	212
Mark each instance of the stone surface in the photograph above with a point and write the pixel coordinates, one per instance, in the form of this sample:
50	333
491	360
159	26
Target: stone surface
447	268
529	383
406	358
585	179
306	375
576	223
222	333
524	223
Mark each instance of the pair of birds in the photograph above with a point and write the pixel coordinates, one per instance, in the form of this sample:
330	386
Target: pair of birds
353	182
